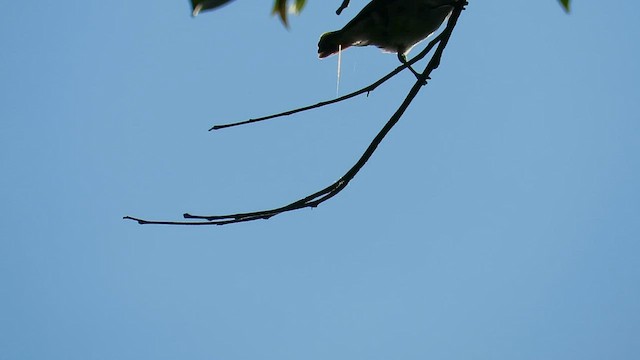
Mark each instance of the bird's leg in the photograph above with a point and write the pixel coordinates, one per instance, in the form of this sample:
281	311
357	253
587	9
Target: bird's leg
403	59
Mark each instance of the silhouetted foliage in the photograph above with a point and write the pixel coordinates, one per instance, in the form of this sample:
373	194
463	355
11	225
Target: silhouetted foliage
280	7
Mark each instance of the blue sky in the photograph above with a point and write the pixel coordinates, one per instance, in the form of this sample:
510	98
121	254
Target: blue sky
500	218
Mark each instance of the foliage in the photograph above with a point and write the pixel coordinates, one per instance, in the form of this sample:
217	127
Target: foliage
282	7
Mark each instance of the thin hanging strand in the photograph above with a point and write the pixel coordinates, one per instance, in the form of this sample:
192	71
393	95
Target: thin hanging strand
339	63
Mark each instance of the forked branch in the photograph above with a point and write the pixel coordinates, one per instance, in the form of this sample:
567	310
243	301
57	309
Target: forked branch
330	191
365	90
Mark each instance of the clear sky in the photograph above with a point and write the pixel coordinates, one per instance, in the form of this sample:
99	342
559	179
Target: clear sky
500	219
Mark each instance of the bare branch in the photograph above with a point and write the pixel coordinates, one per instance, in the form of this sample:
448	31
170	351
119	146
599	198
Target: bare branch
364	90
325	194
343	6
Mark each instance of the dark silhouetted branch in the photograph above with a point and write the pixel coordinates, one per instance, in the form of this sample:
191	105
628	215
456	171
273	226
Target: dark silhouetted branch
330	191
343	6
364	90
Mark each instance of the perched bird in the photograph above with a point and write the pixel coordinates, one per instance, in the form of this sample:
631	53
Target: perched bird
395	26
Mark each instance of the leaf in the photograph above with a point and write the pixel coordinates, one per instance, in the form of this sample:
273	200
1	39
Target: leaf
280	8
299	5
203	5
565	4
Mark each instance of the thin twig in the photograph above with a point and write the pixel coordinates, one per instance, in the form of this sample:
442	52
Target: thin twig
367	89
325	194
343	6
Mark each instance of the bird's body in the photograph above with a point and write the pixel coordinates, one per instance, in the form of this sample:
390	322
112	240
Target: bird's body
393	25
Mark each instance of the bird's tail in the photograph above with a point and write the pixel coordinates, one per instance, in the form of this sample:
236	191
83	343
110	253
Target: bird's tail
329	44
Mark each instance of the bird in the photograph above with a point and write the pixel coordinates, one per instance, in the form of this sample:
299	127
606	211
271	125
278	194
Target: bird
395	26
